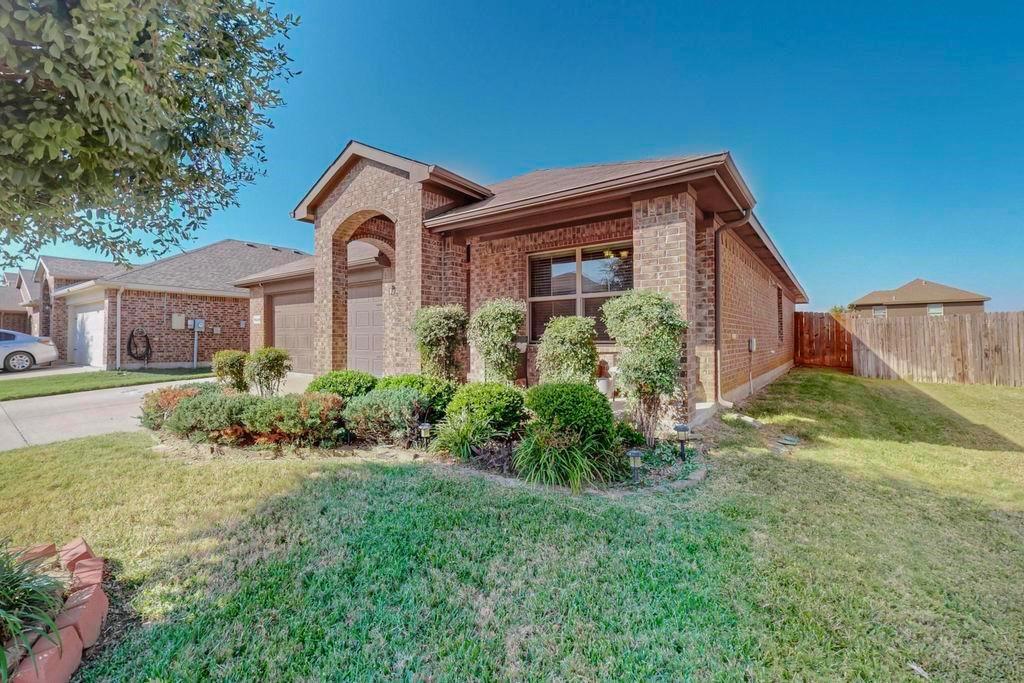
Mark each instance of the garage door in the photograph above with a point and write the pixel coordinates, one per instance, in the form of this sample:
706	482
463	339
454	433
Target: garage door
293	328
87	334
366	332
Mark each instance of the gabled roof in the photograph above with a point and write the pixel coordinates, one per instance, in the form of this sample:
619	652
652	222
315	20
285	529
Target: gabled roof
10	278
28	287
10	298
417	170
75	268
210	270
919	291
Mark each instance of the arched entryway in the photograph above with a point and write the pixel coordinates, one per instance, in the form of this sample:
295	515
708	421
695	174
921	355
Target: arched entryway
360	309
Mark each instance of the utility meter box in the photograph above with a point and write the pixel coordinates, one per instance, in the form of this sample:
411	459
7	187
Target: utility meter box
177	321
752	344
199	325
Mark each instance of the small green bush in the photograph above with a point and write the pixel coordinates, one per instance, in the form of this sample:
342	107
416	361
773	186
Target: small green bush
211	416
555	456
266	368
578	408
29	600
437	393
627	436
345	383
385	415
440	332
648	328
567	351
500	404
493	330
158	404
458	434
309	419
229	369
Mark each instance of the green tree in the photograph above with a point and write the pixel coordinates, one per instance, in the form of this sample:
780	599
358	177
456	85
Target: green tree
124	124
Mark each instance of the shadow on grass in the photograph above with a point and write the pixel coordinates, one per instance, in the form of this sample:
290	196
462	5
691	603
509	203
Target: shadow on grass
819	404
408	571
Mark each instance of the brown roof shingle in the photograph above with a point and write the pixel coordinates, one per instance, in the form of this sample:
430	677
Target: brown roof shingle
79	268
918	291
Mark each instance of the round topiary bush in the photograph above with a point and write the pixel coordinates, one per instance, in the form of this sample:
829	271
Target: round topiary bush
567	351
575	407
500	404
440	333
492	331
345	383
436	392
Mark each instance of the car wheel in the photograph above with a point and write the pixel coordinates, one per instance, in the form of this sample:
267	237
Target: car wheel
19	361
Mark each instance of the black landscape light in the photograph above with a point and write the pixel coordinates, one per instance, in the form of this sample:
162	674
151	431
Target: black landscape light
635	459
683	434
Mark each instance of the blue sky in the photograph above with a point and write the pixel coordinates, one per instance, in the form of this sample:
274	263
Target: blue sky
883	143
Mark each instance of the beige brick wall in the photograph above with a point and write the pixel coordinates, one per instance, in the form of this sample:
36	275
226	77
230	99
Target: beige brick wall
750	309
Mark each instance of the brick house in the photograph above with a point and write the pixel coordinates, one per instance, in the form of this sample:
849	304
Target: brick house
13	315
103	315
918	298
564	241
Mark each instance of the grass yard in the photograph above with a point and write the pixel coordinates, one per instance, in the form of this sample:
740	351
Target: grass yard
893	536
50	385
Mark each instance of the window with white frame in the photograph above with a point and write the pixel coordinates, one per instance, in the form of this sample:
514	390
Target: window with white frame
577	282
935	309
879	311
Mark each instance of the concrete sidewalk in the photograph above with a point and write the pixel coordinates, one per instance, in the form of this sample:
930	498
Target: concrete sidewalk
33	421
48	371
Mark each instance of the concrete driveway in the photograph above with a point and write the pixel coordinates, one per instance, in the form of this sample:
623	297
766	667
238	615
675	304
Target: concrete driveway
32	421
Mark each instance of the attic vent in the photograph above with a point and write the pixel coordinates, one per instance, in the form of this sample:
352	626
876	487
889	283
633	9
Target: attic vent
296	251
274	249
250	244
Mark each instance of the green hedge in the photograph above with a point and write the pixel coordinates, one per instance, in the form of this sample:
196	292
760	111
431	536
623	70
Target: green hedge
385	415
580	408
500	404
437	393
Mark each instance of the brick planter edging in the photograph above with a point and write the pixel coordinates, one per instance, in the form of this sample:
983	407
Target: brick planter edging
80	619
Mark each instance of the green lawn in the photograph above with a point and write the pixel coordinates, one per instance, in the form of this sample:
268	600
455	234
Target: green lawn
49	385
894	535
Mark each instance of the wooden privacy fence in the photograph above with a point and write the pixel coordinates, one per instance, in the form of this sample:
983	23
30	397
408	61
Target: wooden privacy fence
982	348
822	341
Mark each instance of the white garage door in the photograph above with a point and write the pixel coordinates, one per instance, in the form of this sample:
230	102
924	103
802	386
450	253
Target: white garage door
366	335
293	328
88	323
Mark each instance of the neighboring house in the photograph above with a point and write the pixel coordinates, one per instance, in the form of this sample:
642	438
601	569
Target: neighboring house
562	240
919	297
28	291
282	309
103	319
13	315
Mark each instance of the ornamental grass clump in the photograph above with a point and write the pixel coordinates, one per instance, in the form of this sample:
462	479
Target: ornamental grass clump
492	332
647	326
29	600
440	334
460	433
568	352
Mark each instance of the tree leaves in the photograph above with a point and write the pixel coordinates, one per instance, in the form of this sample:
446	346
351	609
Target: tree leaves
151	110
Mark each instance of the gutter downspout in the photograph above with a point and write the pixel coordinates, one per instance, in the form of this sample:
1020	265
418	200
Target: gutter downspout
117	333
719	232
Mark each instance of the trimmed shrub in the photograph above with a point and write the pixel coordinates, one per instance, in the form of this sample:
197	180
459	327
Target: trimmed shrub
266	368
304	419
648	327
211	416
345	383
29	599
567	351
627	436
440	333
385	415
158	404
500	404
437	393
555	456
229	369
458	434
577	408
492	330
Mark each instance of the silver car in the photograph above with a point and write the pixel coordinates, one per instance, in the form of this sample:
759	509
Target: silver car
20	351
